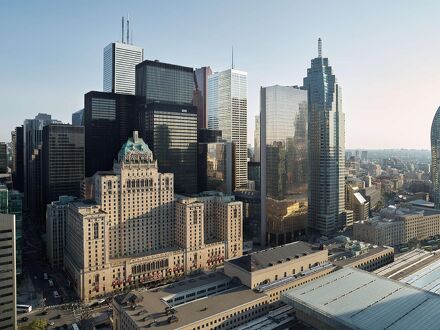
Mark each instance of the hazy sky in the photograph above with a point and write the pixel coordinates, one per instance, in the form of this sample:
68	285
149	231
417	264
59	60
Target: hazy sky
384	53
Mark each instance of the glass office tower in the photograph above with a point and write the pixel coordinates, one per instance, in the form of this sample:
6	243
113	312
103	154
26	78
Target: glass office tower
435	156
283	131
326	148
227	112
168	120
109	120
63	161
170	130
164	82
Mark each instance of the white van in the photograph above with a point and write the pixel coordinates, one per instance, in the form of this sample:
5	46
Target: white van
56	294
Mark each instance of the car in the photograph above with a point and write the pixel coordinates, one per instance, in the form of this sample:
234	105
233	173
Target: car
56	294
51	323
24	319
43	312
57	316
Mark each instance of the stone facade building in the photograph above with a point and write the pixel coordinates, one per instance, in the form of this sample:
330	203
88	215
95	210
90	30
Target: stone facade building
134	230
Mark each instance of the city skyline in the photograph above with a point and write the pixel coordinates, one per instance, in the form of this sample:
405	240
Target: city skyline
361	40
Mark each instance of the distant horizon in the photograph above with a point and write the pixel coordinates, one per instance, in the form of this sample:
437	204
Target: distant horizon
384	56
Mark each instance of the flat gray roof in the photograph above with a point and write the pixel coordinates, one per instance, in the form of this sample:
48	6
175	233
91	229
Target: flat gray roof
354	299
150	305
267	258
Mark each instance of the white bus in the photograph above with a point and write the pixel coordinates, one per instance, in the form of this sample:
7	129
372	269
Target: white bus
24	308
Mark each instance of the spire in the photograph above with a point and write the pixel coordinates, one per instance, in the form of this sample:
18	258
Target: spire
232	66
128	28
319	47
123	29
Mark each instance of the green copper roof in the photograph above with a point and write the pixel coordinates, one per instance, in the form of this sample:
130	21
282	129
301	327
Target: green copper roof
134	145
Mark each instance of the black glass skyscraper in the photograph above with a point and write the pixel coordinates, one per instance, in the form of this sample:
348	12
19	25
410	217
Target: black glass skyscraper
168	120
63	161
109	120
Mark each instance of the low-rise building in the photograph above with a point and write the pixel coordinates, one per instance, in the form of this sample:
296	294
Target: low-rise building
398	225
223	300
270	265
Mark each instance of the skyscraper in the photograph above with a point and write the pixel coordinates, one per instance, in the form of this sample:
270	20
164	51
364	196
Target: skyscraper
200	95
171	131
326	149
109	119
435	156
284	166
77	118
8	296
120	60
3	157
227	111
257	139
18	150
32	164
168	119
63	161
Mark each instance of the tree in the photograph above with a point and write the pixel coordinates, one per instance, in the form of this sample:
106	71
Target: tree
34	325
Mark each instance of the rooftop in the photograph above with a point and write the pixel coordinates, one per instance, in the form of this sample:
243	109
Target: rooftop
351	298
151	306
270	257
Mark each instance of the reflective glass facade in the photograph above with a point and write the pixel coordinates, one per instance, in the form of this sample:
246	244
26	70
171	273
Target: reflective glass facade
170	130
163	82
326	149
109	119
284	167
435	155
63	161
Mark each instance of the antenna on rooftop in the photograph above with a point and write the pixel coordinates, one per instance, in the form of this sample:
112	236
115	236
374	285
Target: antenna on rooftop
232	66
319	47
128	29
123	29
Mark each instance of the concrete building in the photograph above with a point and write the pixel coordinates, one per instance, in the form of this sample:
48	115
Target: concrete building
356	202
11	203
326	147
267	266
354	299
218	300
8	286
227	112
284	165
395	226
133	231
56	224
